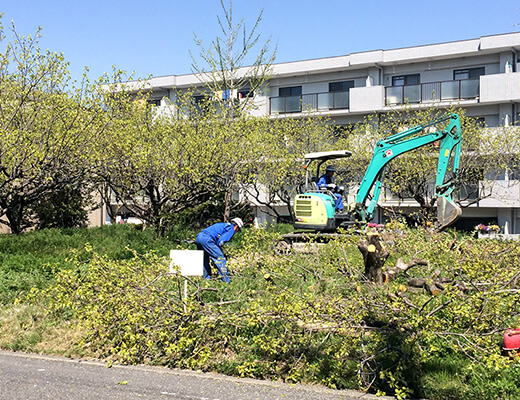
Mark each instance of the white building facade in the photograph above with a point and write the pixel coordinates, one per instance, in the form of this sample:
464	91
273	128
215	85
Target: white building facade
480	75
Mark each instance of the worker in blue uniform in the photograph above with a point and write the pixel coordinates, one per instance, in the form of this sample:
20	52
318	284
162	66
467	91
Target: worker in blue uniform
327	181
211	241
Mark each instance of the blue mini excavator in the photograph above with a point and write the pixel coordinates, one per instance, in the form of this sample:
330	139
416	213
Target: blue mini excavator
314	209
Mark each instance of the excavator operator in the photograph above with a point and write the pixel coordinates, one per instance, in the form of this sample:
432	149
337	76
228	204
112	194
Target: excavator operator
327	181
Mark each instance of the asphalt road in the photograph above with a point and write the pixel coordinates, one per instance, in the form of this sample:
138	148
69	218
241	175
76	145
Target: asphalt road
28	376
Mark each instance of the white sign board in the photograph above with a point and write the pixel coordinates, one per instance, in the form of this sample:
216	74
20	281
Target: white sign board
190	262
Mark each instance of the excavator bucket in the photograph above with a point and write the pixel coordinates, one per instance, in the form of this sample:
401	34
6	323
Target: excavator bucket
447	212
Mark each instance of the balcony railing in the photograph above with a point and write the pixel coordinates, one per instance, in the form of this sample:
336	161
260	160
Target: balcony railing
466	192
311	102
433	92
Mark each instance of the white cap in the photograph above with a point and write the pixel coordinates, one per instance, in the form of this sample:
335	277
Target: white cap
238	222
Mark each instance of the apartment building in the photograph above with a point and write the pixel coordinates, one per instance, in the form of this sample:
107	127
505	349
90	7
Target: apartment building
481	75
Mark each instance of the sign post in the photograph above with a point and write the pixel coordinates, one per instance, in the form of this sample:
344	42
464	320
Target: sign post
189	263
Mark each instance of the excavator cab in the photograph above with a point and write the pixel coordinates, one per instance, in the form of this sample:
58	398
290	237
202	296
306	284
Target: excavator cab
314	209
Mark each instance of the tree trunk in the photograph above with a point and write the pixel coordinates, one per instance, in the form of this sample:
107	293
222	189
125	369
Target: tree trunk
228	194
375	254
14	215
230	186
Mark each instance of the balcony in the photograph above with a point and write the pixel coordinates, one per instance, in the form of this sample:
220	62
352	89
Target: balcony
498	88
433	92
309	102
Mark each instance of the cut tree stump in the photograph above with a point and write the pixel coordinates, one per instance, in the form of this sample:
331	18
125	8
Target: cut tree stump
375	254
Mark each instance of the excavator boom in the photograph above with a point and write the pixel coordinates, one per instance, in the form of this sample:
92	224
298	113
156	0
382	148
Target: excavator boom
389	148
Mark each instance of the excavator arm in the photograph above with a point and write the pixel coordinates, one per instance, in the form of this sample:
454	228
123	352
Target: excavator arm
389	148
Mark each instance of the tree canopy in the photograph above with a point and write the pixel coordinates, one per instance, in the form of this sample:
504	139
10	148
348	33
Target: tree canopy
48	127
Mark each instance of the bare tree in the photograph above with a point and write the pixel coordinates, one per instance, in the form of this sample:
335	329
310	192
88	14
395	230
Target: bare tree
227	80
224	73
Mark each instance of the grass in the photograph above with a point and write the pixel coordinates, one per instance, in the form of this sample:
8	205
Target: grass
28	260
28	328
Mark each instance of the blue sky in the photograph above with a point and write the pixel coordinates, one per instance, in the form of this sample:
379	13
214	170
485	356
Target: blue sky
154	37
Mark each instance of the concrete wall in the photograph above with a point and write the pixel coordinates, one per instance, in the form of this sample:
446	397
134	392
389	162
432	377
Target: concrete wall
501	194
367	99
500	88
97	217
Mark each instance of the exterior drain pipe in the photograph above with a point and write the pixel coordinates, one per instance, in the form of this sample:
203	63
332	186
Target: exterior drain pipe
380	73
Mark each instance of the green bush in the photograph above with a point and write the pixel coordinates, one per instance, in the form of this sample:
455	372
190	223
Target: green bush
64	208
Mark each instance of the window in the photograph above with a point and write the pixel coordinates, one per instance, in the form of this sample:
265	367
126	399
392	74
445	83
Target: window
342	131
480	122
154	102
201	102
243	93
404	89
473	175
289	100
198	99
468	73
341	86
469	183
405	80
290	91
